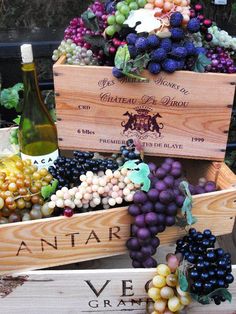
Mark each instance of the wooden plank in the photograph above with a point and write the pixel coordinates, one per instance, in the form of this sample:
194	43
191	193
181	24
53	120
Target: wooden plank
88	291
57	241
96	111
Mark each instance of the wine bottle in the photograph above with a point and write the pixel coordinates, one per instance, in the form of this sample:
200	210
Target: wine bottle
37	131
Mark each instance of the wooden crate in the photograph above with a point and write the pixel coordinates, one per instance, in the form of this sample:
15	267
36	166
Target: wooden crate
182	114
103	290
57	241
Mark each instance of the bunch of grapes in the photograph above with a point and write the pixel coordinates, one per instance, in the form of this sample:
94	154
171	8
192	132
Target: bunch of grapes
129	151
221	61
104	189
20	191
197	12
222	38
68	170
153	211
210	267
164	7
117	18
166	292
75	54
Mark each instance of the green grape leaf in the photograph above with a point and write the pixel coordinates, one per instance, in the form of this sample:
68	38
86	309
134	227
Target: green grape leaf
140	176
96	41
130	164
201	62
90	20
49	189
122	57
207	299
17	120
186	209
53	114
181	222
141	62
9	97
183	282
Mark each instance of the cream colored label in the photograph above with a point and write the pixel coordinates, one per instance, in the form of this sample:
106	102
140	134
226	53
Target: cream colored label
43	161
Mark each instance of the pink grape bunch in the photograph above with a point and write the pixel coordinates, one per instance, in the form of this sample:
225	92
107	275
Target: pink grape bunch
196	12
221	61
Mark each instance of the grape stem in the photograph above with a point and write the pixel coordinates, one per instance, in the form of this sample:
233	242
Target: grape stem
27	195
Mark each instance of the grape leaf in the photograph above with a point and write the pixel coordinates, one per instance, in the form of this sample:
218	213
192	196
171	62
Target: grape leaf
141	62
201	62
141	176
17	120
207	299
122	57
9	97
183	282
186	209
130	164
90	20
96	41
49	189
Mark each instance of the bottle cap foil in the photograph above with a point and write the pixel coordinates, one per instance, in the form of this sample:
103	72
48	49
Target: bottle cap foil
26	53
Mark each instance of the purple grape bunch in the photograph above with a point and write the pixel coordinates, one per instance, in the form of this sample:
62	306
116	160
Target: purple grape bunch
221	61
154	211
77	30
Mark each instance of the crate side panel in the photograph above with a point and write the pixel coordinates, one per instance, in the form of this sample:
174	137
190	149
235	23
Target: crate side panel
58	241
183	114
98	291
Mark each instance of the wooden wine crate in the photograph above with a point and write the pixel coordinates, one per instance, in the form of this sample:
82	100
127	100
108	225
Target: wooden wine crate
60	240
89	291
185	114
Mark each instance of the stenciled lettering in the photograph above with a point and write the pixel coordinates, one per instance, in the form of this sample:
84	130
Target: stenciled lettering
95	291
168	101
105	83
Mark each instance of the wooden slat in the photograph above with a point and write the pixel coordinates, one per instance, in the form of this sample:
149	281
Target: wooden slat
48	242
195	127
72	292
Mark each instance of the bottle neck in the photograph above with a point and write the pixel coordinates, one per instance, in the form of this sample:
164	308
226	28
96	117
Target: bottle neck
31	88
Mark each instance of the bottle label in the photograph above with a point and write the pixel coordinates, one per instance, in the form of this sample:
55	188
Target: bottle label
43	161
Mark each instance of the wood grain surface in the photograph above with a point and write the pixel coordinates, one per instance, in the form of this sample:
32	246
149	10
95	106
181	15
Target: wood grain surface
88	291
193	111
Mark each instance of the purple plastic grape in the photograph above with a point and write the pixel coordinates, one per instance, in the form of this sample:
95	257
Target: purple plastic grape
148	250
132	254
153	195
159	207
171	209
161	219
165	197
152	166
140	256
134	230
160	173
143	234
176	172
179	200
140	197
177	182
192	189
169	181
133	244
151	176
210	187
147	207
154	181
137	264
161	228
166	167
160	186
177	165
199	189
155	242
134	210
176	192
169	161
150	263
153	230
170	220
139	221
151	219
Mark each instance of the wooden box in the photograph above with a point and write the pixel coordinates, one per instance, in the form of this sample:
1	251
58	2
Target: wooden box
185	114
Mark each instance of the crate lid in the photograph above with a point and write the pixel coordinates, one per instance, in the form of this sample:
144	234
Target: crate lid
185	114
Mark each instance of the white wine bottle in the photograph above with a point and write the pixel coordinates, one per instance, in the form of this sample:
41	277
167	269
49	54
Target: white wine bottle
37	131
